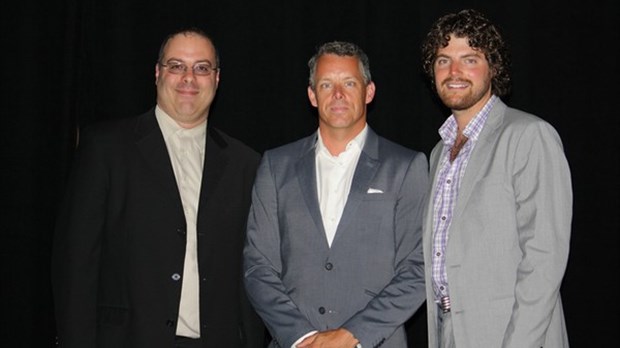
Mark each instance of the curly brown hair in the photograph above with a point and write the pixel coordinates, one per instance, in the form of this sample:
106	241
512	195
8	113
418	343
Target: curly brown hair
481	35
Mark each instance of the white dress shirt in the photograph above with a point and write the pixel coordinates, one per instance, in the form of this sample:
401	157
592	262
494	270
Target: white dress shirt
334	175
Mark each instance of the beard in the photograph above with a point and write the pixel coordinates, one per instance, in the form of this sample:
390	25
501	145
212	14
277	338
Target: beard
462	99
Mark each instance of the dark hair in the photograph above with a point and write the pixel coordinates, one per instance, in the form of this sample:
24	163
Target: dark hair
481	34
187	32
343	49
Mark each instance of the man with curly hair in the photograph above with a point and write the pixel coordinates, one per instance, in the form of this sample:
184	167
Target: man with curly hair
497	227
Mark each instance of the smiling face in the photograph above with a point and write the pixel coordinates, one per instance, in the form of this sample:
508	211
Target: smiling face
340	94
187	97
462	77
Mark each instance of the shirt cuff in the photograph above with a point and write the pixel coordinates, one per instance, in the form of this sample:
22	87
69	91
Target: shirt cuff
304	336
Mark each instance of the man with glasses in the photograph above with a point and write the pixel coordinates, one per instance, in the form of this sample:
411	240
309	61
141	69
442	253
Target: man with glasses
147	251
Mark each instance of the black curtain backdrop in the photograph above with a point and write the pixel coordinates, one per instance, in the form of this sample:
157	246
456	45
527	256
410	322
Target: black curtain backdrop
66	64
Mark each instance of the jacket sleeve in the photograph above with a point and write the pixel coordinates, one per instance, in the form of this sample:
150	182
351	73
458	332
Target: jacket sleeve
263	266
77	248
543	194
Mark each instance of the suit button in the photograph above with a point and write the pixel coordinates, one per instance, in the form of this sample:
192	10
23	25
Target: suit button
181	231
169	323
176	277
321	310
329	266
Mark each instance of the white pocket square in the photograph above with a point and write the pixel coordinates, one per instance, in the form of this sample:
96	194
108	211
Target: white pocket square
374	190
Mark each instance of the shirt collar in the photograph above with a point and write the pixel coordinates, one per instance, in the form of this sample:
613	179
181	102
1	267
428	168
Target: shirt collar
448	130
357	142
169	127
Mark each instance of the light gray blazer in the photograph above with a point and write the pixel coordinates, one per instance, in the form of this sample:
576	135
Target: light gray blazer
371	279
509	237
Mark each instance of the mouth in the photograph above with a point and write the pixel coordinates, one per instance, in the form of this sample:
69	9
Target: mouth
187	92
339	110
456	84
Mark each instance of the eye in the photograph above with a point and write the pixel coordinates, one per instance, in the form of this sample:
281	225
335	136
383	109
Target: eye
325	85
202	69
441	61
176	68
350	84
471	60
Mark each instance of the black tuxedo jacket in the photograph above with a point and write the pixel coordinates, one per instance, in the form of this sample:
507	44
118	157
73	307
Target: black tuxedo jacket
120	241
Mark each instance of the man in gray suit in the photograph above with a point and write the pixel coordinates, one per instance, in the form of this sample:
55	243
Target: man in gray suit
333	254
497	227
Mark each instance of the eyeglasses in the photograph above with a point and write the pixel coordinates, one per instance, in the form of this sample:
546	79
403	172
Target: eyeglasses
178	68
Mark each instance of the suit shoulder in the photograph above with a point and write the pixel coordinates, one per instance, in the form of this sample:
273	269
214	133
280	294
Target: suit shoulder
520	118
391	148
293	149
232	144
108	126
109	132
530	125
523	132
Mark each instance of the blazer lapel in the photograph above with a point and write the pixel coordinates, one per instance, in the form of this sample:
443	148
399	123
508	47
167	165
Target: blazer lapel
481	154
306	174
215	161
151	144
365	171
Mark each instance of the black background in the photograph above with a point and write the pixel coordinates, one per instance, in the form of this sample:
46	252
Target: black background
66	64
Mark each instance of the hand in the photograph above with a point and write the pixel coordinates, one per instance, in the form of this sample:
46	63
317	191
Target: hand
339	338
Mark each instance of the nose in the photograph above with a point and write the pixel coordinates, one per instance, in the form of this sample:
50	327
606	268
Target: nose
338	92
188	75
455	68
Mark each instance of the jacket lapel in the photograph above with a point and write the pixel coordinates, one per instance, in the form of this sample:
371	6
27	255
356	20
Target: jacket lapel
365	171
305	169
216	162
150	143
481	155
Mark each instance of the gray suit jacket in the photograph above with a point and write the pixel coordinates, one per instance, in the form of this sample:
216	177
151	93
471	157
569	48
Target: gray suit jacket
371	279
509	237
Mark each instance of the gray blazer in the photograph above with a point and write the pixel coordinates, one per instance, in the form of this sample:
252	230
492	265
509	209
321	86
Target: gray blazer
371	279
509	237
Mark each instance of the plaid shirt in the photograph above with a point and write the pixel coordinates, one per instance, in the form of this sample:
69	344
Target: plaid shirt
446	194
